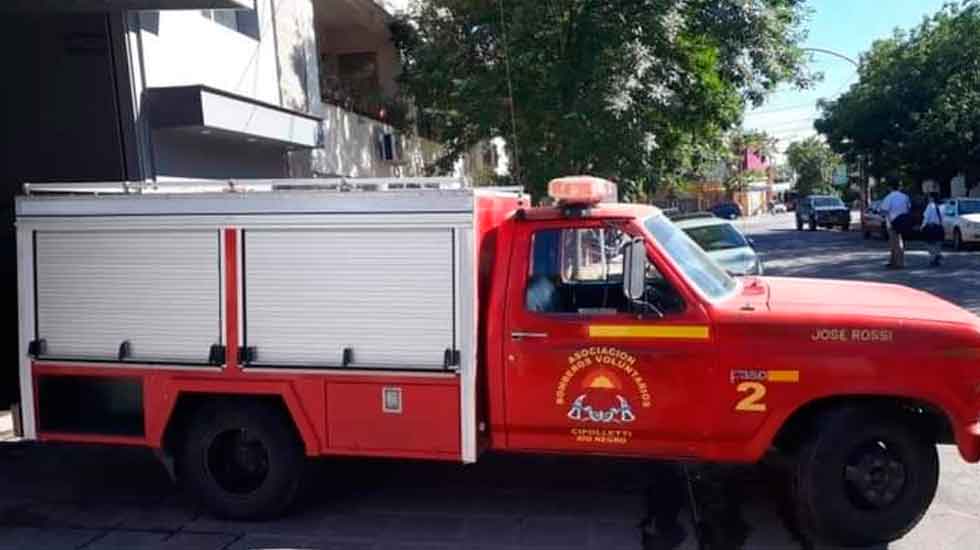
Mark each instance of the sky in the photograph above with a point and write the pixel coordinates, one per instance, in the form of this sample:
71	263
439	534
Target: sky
845	26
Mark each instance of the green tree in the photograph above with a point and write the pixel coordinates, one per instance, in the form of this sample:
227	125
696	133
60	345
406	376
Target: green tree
915	111
814	163
638	90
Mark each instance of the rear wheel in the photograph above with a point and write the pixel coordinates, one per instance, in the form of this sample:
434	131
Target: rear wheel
813	224
799	224
957	239
845	227
242	460
864	478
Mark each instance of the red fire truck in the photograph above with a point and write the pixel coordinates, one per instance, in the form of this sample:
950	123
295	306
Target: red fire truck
237	328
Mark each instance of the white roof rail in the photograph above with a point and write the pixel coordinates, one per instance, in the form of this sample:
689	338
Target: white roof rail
247	186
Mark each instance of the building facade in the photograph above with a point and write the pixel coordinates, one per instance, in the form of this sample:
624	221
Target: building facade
112	90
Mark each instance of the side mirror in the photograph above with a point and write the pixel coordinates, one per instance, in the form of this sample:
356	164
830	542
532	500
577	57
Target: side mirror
751	241
634	270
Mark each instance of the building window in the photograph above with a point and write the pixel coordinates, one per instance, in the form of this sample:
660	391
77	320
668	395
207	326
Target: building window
242	21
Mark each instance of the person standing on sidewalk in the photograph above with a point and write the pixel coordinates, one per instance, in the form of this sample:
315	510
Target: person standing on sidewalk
932	229
896	206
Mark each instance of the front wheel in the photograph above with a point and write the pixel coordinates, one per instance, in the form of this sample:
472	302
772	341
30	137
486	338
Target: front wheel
242	460
866	477
813	224
957	239
799	224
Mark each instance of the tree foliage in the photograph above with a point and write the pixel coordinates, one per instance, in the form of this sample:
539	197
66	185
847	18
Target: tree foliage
814	163
915	112
638	90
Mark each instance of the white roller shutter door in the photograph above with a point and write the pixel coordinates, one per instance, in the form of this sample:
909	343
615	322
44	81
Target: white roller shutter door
386	294
158	290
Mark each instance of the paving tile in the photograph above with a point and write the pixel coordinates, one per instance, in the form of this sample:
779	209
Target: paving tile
425	529
492	531
198	541
615	534
129	540
168	514
34	538
268	542
538	532
367	527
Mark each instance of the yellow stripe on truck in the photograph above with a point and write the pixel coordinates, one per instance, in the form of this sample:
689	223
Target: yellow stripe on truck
783	376
684	332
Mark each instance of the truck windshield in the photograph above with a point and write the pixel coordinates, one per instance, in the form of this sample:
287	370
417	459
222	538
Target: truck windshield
690	258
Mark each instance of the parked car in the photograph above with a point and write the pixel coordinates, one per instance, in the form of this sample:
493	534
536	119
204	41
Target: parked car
779	208
961	221
723	242
727	210
822	211
873	221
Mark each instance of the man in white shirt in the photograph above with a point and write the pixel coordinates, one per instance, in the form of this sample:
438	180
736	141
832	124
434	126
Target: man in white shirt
896	206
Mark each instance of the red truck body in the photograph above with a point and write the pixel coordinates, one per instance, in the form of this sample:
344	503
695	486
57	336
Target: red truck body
723	377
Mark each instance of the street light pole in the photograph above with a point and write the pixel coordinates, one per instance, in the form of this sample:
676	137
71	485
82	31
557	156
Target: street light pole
865	191
833	53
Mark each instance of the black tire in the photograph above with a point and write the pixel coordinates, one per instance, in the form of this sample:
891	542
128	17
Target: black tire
845	227
957	239
866	233
242	460
844	496
884	232
799	224
813	224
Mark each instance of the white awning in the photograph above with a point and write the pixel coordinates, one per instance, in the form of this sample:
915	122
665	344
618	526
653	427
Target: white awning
214	112
68	6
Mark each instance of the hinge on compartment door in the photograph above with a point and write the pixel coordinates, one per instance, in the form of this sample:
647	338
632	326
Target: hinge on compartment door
125	351
450	359
247	354
37	348
216	356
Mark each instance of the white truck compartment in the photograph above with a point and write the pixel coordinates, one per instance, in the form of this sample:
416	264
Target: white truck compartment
331	275
138	295
386	295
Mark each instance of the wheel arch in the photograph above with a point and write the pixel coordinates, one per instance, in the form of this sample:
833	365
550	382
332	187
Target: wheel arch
189	400
928	418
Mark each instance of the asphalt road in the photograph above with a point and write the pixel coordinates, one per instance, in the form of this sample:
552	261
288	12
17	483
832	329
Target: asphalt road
66	497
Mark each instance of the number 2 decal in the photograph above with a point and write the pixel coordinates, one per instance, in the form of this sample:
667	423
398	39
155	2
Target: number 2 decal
751	402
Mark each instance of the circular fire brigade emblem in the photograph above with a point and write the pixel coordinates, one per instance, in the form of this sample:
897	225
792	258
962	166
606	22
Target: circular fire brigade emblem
601	400
602	385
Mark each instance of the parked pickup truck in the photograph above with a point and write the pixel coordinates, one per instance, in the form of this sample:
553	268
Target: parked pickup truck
238	328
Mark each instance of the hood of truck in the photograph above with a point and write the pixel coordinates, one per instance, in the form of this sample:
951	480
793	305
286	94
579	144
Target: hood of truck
860	299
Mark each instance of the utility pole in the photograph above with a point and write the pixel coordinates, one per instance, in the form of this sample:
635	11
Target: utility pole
862	161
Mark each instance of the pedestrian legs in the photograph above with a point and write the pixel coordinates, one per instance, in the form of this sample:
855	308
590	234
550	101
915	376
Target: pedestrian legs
897	244
936	252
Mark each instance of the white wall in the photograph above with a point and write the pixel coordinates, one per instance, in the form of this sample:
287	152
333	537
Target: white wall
189	49
298	57
351	149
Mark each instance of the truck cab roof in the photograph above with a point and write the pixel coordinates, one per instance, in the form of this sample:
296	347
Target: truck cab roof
599	211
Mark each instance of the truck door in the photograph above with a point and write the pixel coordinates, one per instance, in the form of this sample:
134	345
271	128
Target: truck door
584	371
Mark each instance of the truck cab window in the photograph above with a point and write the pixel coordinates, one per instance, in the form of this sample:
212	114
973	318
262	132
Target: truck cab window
581	271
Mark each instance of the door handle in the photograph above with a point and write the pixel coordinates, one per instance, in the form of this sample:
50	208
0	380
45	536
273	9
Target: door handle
522	335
